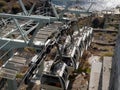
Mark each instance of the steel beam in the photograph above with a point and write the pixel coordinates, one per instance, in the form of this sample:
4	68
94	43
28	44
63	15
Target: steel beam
23	7
30	11
65	9
21	30
38	18
34	34
13	30
28	31
13	43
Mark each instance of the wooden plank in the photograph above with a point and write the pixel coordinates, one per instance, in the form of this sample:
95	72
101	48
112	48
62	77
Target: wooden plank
41	36
48	30
18	59
95	76
40	39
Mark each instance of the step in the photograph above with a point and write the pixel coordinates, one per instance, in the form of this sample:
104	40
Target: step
95	76
107	65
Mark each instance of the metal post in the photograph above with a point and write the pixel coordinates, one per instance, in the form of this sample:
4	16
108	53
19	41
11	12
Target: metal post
33	6
21	31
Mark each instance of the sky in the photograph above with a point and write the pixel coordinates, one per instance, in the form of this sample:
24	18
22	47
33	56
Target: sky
100	4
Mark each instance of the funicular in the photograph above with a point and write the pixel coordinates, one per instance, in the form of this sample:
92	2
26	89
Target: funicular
72	50
55	76
55	72
71	56
81	37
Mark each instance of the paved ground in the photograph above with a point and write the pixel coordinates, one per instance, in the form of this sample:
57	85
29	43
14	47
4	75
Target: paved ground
107	64
95	76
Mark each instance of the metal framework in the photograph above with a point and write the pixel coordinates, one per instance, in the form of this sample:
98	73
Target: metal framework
22	30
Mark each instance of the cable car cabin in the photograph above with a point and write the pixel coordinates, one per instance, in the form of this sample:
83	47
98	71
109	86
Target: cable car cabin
78	42
89	34
71	56
56	78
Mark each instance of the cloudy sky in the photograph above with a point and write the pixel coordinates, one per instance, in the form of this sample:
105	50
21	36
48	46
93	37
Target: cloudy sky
100	4
103	4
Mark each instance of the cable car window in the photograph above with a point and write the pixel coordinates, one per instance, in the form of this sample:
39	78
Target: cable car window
85	41
67	61
65	74
80	46
50	80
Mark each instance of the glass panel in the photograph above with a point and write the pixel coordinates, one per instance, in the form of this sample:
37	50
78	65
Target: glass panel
50	80
67	61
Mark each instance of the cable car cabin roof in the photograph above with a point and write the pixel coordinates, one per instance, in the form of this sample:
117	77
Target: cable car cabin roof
54	69
69	51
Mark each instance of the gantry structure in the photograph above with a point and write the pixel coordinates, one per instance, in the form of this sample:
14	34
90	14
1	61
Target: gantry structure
28	29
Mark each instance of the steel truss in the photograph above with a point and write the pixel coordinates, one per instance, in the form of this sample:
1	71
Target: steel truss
16	33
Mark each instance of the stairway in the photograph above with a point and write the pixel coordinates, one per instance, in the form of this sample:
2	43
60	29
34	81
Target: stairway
100	74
